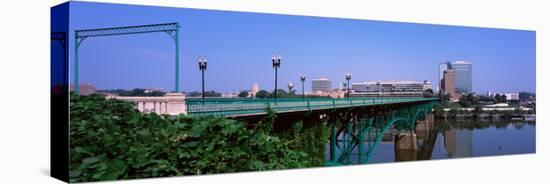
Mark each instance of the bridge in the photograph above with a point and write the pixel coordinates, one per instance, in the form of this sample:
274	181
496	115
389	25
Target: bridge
357	125
242	107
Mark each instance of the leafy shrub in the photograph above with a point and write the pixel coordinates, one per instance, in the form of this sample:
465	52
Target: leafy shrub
110	140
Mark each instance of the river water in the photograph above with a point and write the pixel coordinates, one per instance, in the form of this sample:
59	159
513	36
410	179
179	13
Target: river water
460	139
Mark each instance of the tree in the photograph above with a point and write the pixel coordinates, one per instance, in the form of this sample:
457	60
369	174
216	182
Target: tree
500	98
445	98
262	94
138	92
206	94
428	93
212	94
468	100
280	94
486	98
526	95
243	94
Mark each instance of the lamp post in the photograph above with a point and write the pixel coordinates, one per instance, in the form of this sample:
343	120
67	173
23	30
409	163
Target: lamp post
202	66
303	79
378	88
348	77
290	86
276	61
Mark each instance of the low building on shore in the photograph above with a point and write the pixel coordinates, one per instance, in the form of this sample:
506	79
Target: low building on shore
389	89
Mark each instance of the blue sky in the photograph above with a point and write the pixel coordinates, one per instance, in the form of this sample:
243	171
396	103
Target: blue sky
239	48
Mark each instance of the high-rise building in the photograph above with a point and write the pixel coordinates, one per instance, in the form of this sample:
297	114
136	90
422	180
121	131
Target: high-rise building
448	83
442	68
463	76
321	85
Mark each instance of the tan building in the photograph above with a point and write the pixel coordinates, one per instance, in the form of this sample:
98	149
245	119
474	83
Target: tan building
448	84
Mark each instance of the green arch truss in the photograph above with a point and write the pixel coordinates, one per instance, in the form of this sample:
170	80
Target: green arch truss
357	137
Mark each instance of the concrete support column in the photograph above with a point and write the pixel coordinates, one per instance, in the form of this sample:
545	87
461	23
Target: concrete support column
405	147
405	141
160	107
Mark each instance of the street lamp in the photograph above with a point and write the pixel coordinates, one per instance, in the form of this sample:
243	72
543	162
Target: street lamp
348	77
290	86
202	66
303	79
378	88
276	61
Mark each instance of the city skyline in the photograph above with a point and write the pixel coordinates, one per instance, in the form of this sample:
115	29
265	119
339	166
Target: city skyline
239	47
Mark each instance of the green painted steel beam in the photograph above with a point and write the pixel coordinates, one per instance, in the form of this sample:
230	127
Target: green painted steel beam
113	31
172	29
176	39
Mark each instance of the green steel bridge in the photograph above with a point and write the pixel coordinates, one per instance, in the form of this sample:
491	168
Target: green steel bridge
352	120
237	107
357	125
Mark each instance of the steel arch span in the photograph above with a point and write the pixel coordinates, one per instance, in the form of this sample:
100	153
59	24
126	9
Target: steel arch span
358	135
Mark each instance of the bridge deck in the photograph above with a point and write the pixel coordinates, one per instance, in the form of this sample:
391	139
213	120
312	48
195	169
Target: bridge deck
234	107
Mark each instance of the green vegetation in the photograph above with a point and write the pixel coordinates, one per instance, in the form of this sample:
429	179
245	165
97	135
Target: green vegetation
111	140
311	140
262	94
206	94
243	94
428	93
500	98
527	96
469	100
284	94
135	92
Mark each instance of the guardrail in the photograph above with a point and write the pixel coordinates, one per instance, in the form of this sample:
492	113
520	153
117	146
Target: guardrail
249	106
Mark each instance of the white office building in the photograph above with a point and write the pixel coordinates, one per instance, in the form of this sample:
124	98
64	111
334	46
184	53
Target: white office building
321	85
389	89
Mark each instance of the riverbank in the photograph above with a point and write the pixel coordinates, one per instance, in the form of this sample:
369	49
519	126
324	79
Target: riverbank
514	115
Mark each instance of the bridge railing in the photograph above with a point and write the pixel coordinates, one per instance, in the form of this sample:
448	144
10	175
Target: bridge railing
249	106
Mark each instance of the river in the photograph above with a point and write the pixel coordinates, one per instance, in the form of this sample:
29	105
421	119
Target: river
460	139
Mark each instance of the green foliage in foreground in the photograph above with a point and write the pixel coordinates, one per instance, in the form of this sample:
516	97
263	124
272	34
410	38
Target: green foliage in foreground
111	140
311	140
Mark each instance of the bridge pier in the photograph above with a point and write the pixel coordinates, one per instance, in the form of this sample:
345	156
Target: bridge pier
405	141
405	147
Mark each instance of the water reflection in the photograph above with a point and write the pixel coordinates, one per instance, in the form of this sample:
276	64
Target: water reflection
458	143
457	139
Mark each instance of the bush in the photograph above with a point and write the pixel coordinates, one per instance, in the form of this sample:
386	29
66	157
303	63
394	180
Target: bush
110	140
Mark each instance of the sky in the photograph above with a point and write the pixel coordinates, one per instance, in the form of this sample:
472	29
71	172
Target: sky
239	47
